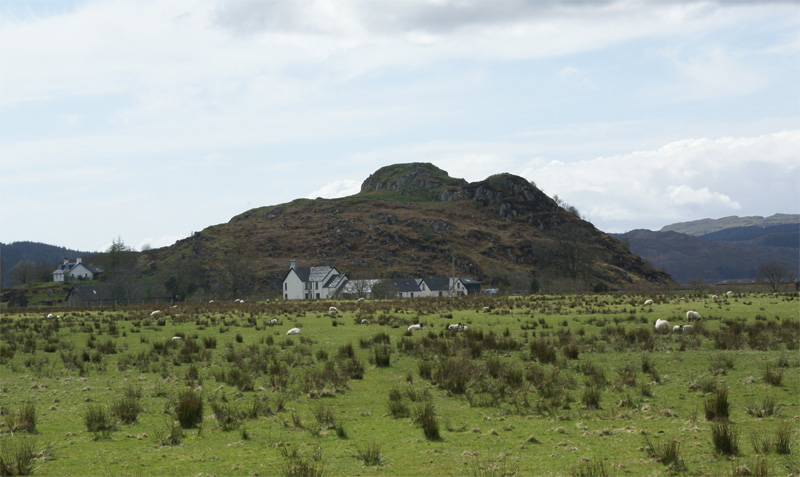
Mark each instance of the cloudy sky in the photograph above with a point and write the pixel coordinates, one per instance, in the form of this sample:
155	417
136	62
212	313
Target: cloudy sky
149	120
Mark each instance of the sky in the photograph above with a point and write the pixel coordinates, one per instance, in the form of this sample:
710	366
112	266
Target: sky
148	120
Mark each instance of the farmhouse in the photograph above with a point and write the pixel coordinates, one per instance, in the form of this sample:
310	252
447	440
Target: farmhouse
312	283
75	271
90	296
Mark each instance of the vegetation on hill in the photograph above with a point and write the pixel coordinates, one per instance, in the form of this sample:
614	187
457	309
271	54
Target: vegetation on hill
26	262
707	226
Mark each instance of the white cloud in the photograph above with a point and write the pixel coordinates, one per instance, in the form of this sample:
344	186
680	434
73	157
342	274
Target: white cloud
336	189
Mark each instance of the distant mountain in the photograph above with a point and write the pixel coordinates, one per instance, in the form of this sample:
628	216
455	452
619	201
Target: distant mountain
411	220
707	226
728	252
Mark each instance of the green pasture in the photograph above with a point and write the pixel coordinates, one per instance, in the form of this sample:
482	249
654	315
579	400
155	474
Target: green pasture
541	385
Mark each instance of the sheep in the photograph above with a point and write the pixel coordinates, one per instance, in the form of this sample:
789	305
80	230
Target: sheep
273	322
211	301
677	328
155	313
457	327
50	316
333	310
416	327
714	297
486	309
175	338
364	321
648	302
729	293
360	300
293	331
687	329
662	326
692	315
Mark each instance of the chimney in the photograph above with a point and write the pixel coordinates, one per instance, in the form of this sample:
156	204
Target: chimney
66	261
77	260
292	264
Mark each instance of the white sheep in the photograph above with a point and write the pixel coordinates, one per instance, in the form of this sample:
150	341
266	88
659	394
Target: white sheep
662	326
293	331
211	301
174	338
648	302
273	322
416	327
333	310
692	315
50	316
687	329
360	299
714	297
364	321
457	327
677	328
486	309
155	313
729	293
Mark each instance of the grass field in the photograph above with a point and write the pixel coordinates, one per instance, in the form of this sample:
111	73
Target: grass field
542	385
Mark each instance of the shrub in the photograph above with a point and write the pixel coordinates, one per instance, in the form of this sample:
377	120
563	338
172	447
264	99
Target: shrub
591	397
773	374
325	415
170	435
371	454
26	421
17	456
783	438
398	408
126	409
382	356
592	468
725	438
426	417
189	408
667	453
717	406
425	369
98	420
766	407
296	465
226	414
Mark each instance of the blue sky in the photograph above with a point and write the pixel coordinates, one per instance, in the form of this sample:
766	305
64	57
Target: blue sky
149	120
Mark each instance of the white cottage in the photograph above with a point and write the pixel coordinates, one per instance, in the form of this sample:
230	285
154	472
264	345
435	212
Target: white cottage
75	271
312	283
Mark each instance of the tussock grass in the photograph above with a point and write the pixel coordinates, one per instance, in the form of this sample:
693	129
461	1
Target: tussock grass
725	438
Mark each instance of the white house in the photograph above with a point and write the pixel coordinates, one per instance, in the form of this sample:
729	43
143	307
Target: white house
75	271
446	287
312	283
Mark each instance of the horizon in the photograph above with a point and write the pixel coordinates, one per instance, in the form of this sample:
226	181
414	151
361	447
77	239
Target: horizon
148	121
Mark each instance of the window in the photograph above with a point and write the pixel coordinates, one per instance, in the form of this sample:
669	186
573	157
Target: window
317	296
285	286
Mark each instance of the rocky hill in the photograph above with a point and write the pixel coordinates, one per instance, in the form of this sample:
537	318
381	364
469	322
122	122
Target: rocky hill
410	220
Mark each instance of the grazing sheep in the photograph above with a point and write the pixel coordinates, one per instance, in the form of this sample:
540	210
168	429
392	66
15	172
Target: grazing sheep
714	297
662	326
729	293
677	328
648	302
293	331
457	327
486	309
360	299
155	313
273	322
364	321
333	310
211	301
50	316
176	338
687	329
692	315
416	327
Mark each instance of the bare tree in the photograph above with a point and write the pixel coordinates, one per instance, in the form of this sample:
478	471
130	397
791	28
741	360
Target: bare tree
384	289
23	271
699	285
774	275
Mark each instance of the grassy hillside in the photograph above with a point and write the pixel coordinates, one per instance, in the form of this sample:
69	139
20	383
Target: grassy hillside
546	385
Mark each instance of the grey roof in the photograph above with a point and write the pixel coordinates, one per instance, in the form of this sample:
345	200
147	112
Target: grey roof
335	282
437	284
405	285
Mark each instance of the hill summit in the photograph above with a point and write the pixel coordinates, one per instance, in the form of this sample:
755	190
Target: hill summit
414	220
